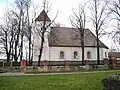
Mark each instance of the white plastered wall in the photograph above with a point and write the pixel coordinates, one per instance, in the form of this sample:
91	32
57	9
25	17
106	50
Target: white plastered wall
54	53
37	42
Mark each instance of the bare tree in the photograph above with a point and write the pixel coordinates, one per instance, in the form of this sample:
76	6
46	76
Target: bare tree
25	25
99	16
42	29
21	5
29	29
7	40
78	23
115	9
14	30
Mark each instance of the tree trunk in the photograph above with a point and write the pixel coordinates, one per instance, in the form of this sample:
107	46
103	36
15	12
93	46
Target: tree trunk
12	49
8	60
30	50
29	28
97	31
82	46
41	49
98	52
21	47
16	45
42	38
17	39
26	58
6	47
32	55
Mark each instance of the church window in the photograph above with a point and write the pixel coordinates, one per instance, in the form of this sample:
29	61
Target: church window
61	54
75	54
88	55
105	54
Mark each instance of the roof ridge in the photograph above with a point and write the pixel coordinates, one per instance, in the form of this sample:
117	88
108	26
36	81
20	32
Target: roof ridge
66	27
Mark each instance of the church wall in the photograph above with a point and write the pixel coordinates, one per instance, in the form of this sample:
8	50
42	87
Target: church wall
54	53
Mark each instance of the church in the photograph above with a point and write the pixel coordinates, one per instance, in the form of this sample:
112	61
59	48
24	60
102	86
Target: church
61	46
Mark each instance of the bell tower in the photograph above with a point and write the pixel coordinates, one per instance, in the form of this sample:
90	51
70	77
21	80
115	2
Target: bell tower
42	24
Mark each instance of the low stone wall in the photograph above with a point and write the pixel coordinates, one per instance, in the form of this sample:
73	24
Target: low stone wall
52	69
55	66
62	68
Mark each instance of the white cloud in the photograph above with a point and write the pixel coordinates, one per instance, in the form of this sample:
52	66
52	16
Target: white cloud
2	11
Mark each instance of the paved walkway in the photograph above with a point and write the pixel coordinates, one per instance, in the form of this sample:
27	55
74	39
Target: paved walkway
23	74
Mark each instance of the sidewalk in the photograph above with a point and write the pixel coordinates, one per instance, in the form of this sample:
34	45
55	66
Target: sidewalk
64	73
24	74
11	74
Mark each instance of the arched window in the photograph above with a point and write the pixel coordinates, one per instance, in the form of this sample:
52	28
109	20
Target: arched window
105	54
75	54
61	54
88	55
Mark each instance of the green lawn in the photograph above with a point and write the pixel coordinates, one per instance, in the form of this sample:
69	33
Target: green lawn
81	81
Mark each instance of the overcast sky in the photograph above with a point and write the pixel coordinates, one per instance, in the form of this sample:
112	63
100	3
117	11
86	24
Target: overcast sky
64	7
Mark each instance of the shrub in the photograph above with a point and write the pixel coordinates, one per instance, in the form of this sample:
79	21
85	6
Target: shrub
111	82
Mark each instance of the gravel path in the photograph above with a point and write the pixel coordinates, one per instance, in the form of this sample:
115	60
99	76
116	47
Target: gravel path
23	74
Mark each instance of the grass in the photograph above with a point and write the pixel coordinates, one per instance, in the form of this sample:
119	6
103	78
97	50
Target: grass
81	81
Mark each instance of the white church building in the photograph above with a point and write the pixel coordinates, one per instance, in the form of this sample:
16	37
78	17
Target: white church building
60	45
